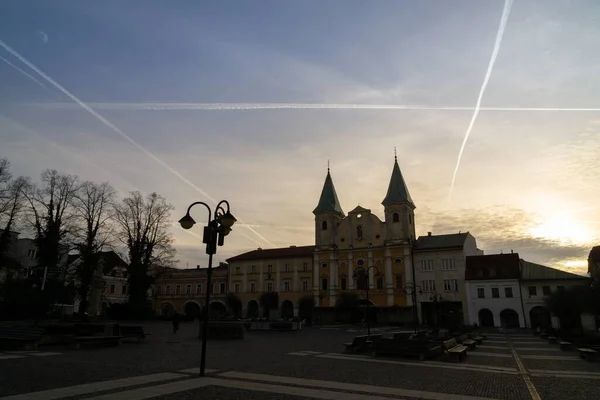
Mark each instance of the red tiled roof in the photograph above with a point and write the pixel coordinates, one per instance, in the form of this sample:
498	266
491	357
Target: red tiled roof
282	252
493	266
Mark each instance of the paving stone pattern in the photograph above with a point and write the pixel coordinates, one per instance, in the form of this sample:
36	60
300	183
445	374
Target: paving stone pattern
268	353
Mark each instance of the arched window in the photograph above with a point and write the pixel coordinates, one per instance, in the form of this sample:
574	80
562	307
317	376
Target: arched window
395	217
324	225
359	232
409	218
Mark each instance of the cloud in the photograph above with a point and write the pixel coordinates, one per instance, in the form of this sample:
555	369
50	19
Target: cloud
504	229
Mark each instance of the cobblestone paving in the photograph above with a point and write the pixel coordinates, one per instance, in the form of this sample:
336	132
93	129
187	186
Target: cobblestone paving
268	353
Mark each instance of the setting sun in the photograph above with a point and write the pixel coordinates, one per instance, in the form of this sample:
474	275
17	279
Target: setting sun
564	229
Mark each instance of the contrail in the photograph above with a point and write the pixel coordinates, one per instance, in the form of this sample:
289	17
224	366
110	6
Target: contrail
24	73
291	106
488	73
117	130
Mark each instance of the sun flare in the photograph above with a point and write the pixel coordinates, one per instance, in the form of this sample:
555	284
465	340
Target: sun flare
564	229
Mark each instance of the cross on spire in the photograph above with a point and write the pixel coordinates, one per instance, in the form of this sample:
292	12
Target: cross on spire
395	155
327	166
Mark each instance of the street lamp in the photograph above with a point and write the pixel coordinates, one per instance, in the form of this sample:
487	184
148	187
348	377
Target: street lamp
435	298
412	291
361	273
218	226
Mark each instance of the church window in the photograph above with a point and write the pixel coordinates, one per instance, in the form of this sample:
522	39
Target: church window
395	217
360	262
379	283
324	225
359	232
324	284
410	218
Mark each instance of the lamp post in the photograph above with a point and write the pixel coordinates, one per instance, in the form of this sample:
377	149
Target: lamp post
435	298
412	290
218	226
361	273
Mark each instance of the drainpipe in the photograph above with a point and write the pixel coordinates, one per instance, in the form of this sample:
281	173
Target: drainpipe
521	294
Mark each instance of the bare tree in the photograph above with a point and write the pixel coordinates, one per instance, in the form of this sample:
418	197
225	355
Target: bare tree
92	207
143	226
12	199
51	216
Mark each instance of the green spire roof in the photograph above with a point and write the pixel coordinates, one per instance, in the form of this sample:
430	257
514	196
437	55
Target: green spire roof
329	200
397	190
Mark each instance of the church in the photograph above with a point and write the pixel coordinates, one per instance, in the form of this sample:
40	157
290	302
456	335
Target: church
355	253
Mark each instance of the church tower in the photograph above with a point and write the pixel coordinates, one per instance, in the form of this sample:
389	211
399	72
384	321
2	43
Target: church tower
328	214
399	209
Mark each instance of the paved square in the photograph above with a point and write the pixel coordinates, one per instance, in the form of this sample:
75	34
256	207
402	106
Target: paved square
294	365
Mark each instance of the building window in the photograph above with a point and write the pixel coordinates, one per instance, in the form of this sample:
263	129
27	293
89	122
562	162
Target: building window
560	288
448	264
211	288
168	289
398	261
360	262
532	291
125	274
324	284
198	288
304	267
343	284
481	293
287	286
324	265
495	292
305	286
546	290
359	232
492	272
399	281
252	287
395	217
362	280
508	292
379	283
269	286
188	289
286	268
178	289
450	285
237	288
124	289
269	269
112	289
157	289
253	269
479	273
237	270
324	225
426	265
409	218
428	286
222	287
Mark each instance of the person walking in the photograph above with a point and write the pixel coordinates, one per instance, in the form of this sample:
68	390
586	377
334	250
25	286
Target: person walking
175	322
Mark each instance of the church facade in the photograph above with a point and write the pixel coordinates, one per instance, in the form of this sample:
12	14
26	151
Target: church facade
351	252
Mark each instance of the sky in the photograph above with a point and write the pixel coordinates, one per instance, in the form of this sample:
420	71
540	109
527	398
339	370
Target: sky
248	101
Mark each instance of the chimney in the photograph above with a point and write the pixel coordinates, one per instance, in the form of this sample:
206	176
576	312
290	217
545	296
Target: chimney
511	251
428	233
197	267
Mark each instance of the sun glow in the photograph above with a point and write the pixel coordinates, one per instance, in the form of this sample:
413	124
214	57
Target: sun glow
564	229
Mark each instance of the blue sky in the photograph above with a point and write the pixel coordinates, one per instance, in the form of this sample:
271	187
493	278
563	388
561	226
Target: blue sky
527	180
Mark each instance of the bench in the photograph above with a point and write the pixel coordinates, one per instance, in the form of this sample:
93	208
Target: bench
565	346
420	348
136	332
587	354
84	341
455	349
17	336
552	339
361	343
466	341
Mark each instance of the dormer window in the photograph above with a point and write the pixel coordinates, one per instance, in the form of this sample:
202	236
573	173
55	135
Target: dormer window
395	217
324	225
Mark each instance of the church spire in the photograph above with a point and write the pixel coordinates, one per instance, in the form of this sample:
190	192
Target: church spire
328	200
397	189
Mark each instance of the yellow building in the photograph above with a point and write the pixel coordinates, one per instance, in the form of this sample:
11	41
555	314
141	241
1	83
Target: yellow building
343	245
184	291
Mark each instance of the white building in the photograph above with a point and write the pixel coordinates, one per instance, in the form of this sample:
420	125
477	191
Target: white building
538	282
439	263
493	290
